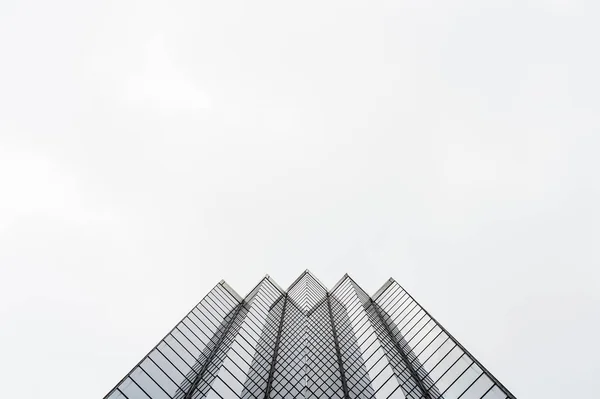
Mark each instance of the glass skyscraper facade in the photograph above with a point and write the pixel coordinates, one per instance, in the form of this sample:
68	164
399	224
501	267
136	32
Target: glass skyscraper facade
309	342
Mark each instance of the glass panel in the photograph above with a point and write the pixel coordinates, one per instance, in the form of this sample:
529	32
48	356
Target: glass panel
159	376
462	383
495	393
478	389
176	375
115	395
170	354
438	356
149	386
130	389
441	345
445	362
181	351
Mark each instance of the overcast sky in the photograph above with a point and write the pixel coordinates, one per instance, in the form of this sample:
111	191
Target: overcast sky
150	149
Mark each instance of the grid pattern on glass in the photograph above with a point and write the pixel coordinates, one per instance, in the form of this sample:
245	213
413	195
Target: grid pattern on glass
351	326
289	378
231	370
323	374
443	366
389	376
171	368
262	364
308	342
306	292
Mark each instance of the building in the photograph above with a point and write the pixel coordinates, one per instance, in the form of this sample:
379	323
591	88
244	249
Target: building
309	342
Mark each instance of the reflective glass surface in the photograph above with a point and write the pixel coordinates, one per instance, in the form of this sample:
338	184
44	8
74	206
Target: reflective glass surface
309	342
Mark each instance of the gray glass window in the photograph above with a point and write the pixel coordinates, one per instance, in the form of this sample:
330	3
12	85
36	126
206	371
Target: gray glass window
309	342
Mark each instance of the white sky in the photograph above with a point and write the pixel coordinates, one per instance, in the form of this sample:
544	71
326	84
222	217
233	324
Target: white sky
150	149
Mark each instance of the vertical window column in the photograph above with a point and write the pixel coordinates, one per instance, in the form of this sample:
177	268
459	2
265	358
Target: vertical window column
337	350
276	350
401	351
213	352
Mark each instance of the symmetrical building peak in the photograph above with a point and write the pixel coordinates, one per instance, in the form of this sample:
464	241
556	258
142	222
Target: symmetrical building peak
309	342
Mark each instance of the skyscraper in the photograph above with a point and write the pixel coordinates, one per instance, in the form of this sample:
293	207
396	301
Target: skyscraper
309	342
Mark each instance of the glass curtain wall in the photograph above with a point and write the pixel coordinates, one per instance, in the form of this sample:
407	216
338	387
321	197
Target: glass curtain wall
309	342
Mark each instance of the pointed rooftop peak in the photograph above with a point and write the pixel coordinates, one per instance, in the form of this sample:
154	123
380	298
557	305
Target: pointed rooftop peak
307	274
306	291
